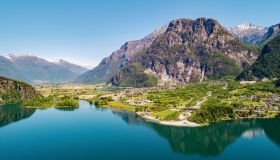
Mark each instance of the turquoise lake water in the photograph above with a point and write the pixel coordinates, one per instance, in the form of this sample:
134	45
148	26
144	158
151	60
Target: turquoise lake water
91	133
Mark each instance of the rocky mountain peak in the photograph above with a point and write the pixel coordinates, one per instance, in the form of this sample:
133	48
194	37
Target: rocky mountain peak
200	25
187	31
194	50
28	58
248	32
248	26
202	35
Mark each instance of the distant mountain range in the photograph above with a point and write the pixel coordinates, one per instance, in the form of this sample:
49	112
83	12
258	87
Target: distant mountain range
267	64
249	33
181	52
36	70
76	69
8	69
254	34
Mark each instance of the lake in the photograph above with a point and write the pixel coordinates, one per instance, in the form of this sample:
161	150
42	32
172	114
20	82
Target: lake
91	133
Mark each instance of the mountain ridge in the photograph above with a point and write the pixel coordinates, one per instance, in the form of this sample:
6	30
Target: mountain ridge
34	69
111	64
272	31
7	69
77	69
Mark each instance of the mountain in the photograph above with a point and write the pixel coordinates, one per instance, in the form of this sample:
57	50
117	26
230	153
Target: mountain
12	91
249	33
253	34
76	69
40	70
7	69
34	69
267	64
189	51
271	32
110	65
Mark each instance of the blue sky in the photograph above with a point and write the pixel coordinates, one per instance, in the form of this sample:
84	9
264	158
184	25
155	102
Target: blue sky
85	31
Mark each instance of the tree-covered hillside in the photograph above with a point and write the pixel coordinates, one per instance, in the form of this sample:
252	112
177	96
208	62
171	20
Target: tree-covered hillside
267	64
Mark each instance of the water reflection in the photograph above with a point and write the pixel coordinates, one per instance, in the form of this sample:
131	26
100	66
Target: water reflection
206	141
253	133
213	139
13	113
272	130
66	108
129	117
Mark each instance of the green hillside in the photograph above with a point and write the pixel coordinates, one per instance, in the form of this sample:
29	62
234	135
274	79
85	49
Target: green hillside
267	64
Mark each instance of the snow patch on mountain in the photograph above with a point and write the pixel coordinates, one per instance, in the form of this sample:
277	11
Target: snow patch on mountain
248	32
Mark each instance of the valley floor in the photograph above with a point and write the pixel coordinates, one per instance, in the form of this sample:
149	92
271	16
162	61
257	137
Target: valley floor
201	103
189	105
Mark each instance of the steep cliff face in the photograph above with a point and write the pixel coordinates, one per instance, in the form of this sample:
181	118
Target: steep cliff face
110	65
12	91
192	51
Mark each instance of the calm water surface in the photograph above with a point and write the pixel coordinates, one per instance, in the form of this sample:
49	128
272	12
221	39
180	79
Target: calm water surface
90	133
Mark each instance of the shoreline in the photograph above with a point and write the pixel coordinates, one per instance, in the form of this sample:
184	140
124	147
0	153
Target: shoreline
186	123
180	123
147	117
